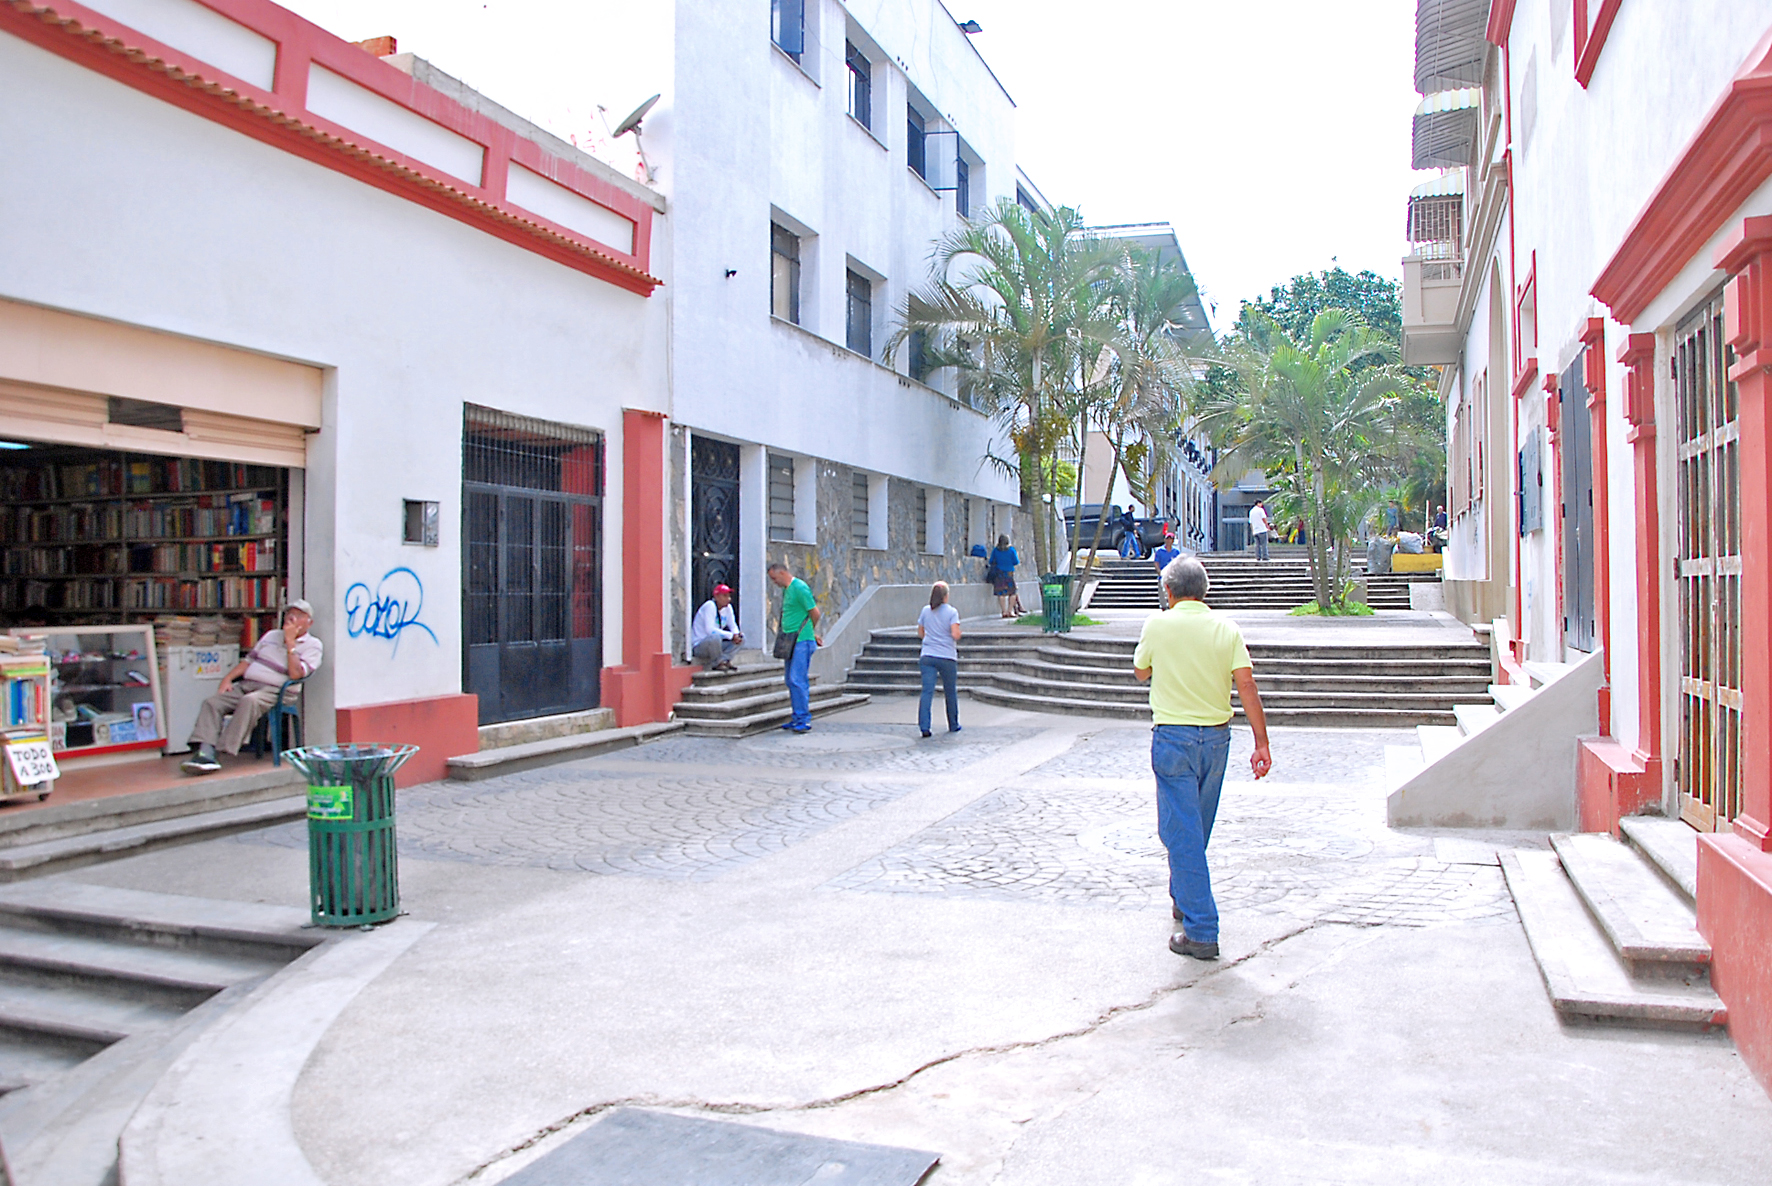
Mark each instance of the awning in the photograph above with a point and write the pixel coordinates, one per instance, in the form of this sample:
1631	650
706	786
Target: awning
1446	185
1449	44
1445	127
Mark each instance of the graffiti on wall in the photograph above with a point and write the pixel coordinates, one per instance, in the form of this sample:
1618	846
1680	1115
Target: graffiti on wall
390	610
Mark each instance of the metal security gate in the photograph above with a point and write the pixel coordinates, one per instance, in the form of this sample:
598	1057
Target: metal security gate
1708	771
532	536
713	501
1575	436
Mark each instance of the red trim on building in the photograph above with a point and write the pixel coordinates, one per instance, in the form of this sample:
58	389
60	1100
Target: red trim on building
1501	22
1591	39
280	119
1735	918
648	683
443	727
1638	356
1729	158
1514	671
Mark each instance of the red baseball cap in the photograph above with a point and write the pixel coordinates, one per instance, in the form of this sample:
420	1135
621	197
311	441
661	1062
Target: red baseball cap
722	588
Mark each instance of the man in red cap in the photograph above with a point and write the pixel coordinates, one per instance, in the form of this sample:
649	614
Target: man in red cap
714	636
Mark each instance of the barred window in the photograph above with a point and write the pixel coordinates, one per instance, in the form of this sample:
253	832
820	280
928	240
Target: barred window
781	497
858	513
922	516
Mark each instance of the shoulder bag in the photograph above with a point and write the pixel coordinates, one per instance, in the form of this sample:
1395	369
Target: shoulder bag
785	642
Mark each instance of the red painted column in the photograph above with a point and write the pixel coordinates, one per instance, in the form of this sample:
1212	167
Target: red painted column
1638	354
1735	869
1513	672
1593	376
1748	322
647	683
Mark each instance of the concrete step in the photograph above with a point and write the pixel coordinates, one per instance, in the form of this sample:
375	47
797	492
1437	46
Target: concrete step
1438	740
90	847
1510	696
744	706
1582	971
835	700
1668	844
193	796
223	928
77	1018
703	679
1474	718
1324	717
1545	673
1646	918
736	689
549	751
541	728
170	974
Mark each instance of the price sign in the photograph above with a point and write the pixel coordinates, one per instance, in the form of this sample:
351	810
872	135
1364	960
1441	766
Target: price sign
32	760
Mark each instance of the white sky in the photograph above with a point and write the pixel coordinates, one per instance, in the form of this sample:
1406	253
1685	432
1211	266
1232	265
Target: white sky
1274	134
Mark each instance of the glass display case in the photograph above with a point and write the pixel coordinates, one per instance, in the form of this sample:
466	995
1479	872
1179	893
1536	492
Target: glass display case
104	689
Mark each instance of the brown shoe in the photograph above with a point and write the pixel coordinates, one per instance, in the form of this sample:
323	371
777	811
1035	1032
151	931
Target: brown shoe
1180	944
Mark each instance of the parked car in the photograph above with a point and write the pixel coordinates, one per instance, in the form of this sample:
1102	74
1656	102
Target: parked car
1150	531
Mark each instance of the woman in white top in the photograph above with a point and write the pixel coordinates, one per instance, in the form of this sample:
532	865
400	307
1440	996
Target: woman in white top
938	625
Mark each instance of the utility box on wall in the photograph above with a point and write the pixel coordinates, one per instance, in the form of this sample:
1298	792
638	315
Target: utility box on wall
1531	483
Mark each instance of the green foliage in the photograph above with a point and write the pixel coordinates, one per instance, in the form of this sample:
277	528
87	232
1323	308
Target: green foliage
1040	620
1295	304
1061	477
1335	609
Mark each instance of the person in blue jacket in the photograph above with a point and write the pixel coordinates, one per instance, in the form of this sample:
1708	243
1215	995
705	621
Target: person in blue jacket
1002	572
1129	548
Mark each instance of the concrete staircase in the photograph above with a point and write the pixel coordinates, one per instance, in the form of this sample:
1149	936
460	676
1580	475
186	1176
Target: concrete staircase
100	990
515	746
1613	927
1318	685
751	699
1240	582
1507	761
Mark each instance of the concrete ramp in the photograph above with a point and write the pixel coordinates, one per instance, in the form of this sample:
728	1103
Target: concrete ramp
1514	770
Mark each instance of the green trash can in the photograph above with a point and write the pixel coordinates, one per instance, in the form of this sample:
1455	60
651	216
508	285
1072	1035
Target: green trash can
353	870
1055	598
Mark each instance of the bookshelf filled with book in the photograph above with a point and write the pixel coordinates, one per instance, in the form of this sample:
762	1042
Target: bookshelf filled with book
99	536
27	763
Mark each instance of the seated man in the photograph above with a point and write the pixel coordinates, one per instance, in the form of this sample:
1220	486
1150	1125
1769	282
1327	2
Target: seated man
714	636
250	689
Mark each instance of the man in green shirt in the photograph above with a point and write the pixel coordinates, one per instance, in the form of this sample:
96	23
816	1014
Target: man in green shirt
1191	656
799	620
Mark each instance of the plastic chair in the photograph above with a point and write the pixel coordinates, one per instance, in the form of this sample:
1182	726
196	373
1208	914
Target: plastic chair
274	728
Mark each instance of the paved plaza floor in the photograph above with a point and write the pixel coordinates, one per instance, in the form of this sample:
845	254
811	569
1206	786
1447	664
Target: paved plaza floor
960	945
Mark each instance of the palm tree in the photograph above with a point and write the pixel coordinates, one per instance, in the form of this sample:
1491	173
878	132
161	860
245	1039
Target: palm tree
1318	410
1014	304
1147	376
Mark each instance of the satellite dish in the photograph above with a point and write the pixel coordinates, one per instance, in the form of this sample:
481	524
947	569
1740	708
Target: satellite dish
632	122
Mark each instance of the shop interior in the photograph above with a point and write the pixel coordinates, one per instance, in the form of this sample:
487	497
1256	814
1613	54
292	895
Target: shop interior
130	583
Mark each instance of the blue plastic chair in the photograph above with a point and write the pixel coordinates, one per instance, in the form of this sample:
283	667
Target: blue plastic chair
275	726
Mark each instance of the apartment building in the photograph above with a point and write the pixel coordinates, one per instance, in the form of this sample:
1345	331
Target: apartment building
1590	269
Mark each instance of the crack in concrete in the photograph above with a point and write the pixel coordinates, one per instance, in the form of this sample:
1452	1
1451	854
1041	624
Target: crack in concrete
749	1109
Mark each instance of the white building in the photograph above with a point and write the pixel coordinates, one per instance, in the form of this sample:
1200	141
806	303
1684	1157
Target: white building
1591	270
812	154
229	236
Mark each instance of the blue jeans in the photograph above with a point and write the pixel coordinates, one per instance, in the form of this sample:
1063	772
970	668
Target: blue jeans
1189	762
949	670
800	683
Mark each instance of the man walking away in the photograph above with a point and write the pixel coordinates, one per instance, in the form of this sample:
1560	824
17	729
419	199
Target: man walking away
714	636
250	689
938	625
1129	549
1191	656
1259	523
799	621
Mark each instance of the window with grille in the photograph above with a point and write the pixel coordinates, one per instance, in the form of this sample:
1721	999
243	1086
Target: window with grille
919	360
781	497
784	273
787	26
916	141
861	314
861	85
858	512
922	515
962	187
1436	234
1708	771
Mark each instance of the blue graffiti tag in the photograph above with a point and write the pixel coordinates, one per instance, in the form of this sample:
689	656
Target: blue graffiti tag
393	609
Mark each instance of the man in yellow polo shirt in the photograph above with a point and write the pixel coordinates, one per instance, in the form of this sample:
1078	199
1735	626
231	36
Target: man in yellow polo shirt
1191	656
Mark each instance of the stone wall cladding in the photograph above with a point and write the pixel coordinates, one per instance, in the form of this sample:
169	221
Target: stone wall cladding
838	571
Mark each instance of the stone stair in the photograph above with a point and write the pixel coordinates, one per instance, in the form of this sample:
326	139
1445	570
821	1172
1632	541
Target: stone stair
100	989
1240	582
1316	685
1613	926
750	699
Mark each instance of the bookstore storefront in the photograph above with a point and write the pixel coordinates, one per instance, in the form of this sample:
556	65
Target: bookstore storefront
147	536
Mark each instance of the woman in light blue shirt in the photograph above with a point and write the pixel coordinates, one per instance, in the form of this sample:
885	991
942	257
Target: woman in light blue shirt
938	625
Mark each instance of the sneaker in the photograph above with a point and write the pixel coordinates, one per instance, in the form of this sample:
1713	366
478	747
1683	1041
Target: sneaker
1180	944
955	729
926	733
801	729
200	763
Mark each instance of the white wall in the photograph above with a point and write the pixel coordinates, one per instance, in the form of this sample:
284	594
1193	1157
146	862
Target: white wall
173	222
